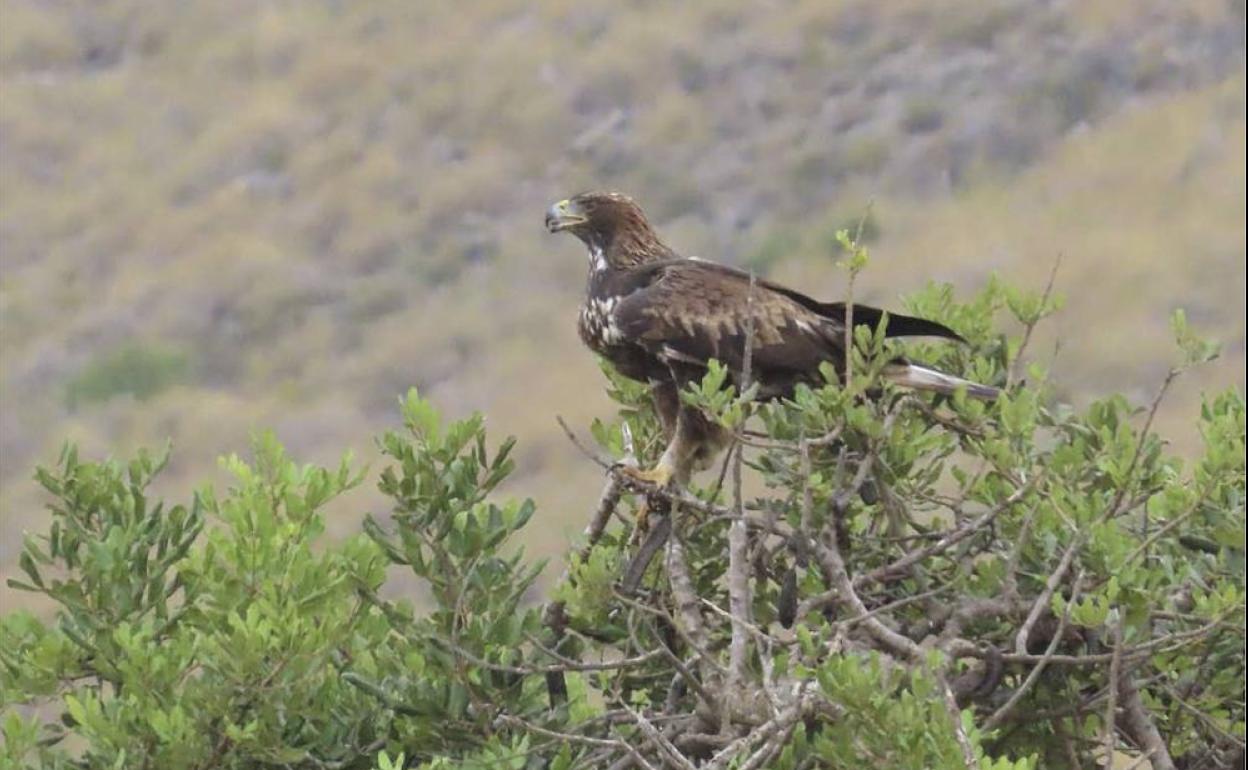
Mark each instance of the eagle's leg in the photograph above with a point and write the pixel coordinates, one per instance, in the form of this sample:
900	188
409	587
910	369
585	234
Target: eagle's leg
673	465
666	398
667	408
693	444
672	416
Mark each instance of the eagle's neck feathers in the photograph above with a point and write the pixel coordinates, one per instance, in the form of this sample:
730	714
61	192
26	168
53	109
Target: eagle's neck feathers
629	246
597	259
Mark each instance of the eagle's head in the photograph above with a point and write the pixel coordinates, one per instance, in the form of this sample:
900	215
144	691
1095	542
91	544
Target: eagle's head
612	225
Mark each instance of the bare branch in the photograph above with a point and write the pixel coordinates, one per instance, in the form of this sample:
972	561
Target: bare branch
1109	741
955	716
1038	669
684	594
1042	601
754	630
658	740
738	538
833	567
1068	745
1139	725
738	584
948	541
650	548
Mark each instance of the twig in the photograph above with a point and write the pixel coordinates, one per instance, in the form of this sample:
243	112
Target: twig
1176	641
710	701
612	743
1038	669
1012	376
820	601
789	716
564	664
1203	717
948	422
553	616
971	609
1042	601
1016	554
949	540
738	586
776	741
849	302
1154	537
1072	756
842	497
1081	707
833	567
955	716
576	442
662	744
1129	476
753	628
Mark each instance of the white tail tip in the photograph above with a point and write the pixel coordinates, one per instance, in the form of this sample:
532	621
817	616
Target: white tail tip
923	378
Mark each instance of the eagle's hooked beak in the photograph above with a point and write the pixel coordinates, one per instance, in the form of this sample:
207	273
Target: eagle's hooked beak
563	215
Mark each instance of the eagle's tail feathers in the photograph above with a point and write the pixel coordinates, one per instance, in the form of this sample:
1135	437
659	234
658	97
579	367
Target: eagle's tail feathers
898	325
924	378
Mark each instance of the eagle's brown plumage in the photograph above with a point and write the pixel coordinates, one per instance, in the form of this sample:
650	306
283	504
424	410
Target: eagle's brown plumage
660	318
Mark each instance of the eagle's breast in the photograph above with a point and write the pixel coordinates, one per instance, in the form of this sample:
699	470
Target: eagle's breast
597	326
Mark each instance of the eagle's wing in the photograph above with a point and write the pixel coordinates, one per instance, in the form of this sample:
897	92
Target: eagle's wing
689	311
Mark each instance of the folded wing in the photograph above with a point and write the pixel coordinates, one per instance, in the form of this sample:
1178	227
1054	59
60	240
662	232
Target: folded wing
687	312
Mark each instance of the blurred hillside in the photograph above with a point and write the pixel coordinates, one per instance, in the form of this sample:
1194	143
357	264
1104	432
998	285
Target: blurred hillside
218	216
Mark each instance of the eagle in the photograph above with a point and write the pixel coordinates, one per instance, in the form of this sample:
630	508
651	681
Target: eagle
660	318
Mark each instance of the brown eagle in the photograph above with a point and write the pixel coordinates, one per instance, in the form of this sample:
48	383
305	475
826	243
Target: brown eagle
660	318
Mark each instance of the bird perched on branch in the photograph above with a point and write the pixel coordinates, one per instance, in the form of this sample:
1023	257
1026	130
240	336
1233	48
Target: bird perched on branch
660	318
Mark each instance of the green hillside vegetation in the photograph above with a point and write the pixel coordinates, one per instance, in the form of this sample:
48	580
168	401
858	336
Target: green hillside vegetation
218	217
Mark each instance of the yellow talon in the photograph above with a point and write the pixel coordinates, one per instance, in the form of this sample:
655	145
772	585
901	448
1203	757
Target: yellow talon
663	475
660	475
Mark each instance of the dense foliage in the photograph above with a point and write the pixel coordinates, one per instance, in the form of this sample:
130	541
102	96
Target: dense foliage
913	583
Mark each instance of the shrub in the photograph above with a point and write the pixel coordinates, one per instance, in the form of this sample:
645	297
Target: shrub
923	583
138	370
